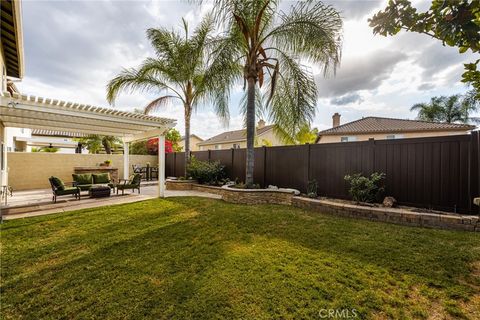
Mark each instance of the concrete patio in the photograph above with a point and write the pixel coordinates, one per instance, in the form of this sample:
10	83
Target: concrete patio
38	202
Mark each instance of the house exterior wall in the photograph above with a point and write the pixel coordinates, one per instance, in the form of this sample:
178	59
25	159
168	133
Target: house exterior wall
269	136
32	170
383	136
193	144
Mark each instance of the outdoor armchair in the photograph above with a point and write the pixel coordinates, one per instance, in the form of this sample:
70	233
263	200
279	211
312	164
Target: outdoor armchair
132	183
60	189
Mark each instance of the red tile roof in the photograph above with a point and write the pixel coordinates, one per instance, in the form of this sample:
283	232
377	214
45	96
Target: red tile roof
387	125
231	136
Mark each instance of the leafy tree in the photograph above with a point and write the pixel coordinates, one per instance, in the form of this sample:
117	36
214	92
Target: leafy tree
139	147
95	142
306	135
265	46
180	72
455	108
173	135
455	22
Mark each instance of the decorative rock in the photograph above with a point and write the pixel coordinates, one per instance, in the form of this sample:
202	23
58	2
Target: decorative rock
477	201
272	187
389	202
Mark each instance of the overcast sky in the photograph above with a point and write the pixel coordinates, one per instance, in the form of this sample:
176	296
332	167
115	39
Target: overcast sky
73	48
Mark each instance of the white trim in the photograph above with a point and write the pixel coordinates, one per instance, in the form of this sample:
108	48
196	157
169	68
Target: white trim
161	166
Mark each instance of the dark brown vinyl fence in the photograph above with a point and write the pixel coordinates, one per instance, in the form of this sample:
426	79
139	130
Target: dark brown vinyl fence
440	173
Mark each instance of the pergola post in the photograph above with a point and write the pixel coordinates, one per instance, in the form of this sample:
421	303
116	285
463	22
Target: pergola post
4	168
161	166
126	164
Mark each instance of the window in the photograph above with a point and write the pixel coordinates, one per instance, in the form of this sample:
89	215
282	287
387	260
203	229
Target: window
218	146
394	136
236	146
348	139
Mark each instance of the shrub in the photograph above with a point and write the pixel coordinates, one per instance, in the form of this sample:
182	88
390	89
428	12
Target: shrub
206	172
366	189
312	188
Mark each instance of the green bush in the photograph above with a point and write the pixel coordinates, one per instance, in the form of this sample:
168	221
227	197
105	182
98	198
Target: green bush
206	172
366	189
312	188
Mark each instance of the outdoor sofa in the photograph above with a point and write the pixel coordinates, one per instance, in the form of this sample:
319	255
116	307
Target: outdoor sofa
84	181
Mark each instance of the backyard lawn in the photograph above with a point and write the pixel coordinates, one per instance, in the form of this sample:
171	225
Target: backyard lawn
193	258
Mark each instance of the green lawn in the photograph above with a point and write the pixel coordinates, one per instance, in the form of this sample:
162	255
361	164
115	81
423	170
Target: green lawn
192	258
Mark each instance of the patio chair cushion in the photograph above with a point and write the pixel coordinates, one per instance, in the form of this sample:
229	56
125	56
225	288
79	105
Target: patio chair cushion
100	178
84	187
135	179
67	190
58	183
83	178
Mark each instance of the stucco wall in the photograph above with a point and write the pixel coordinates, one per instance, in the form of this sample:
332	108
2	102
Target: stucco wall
32	170
383	136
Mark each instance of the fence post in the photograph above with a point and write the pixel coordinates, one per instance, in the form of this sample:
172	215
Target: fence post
372	148
209	154
174	164
231	163
474	171
308	162
264	166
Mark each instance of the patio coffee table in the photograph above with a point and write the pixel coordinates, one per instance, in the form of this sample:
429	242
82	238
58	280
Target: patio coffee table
100	191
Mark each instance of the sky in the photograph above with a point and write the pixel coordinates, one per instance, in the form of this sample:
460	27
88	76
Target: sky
73	48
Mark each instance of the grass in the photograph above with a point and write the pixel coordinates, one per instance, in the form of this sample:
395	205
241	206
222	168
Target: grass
192	258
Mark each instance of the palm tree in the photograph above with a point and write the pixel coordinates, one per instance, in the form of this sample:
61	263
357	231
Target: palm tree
94	143
271	47
455	108
179	72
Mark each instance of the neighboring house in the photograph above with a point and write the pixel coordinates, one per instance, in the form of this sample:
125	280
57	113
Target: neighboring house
38	138
194	141
265	135
387	128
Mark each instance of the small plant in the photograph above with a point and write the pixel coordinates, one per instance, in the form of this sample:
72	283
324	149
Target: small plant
312	188
108	162
49	149
206	172
366	189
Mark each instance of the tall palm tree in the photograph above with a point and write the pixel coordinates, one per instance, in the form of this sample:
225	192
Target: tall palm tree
455	108
271	47
179	72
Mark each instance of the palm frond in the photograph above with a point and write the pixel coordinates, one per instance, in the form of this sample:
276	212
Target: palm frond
158	103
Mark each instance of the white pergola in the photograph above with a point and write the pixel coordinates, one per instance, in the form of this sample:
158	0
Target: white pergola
32	112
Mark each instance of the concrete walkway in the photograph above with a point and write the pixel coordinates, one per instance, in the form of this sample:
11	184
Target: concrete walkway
33	203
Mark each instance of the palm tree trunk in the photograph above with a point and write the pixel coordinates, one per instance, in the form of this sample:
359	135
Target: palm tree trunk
250	131
188	114
106	145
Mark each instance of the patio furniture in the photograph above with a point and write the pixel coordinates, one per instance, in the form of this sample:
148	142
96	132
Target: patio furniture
59	189
477	201
132	183
85	181
143	171
5	192
100	191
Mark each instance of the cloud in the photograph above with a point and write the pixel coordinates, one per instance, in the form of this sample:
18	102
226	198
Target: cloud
354	9
347	99
360	73
426	86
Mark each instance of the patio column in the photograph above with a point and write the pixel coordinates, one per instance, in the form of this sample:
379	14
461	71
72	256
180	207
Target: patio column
126	164
4	168
161	166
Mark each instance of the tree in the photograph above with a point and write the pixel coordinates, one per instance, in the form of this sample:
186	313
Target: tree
455	108
306	135
266	47
173	135
455	22
179	72
95	142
